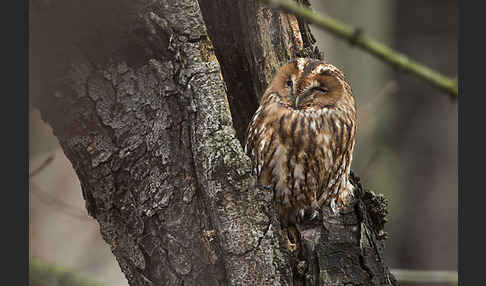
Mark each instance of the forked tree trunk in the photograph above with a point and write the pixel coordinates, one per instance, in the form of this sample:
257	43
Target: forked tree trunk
134	93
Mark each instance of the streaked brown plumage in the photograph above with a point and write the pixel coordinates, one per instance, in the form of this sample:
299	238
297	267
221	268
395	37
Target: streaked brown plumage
301	139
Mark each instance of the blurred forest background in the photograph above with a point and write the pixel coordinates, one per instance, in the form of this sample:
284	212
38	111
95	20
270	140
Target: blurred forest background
406	147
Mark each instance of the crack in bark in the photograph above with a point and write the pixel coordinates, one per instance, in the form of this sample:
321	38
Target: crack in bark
257	246
193	130
361	258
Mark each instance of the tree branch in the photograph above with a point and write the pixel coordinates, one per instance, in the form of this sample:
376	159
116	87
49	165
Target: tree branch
419	276
375	48
44	274
42	166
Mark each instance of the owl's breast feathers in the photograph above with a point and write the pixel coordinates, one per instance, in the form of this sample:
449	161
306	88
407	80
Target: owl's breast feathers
305	155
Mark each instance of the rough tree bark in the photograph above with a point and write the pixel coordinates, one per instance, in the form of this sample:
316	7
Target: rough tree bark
134	93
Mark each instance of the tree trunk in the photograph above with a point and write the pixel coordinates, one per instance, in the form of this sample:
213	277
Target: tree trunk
134	93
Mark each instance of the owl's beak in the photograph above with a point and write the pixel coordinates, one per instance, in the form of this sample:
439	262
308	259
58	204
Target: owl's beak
297	100
302	97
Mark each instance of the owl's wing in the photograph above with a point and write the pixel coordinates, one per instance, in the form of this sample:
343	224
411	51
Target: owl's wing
252	138
341	148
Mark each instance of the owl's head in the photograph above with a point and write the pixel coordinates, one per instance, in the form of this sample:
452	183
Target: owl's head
310	84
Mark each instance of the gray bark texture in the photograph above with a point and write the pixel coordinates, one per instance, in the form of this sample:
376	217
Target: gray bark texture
134	92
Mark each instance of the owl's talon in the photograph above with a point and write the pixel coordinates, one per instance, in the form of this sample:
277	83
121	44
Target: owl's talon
290	238
315	215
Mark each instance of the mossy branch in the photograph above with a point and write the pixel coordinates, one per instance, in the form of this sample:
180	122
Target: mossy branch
43	274
379	50
418	276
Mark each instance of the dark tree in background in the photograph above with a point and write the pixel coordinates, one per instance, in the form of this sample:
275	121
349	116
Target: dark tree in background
134	93
407	140
426	130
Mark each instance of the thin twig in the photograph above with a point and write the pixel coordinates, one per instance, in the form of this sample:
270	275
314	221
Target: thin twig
59	205
43	273
47	199
369	163
389	88
379	50
424	276
42	166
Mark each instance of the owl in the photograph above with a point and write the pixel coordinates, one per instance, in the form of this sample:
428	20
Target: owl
301	139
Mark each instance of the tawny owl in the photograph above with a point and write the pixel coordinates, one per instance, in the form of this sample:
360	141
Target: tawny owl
301	139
